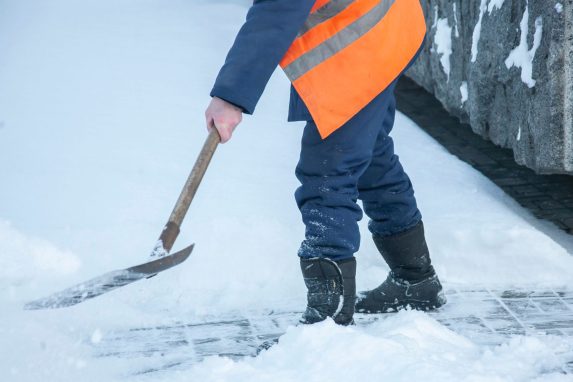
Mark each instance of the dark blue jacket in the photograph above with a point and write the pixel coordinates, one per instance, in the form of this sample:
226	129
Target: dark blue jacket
270	29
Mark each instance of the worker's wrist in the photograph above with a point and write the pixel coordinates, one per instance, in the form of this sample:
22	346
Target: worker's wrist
230	96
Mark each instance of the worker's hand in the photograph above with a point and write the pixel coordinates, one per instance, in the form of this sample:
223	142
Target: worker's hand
224	117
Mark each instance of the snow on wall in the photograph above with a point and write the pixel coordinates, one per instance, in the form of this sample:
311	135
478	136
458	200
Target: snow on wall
484	6
522	56
477	30
456	22
493	4
464	92
516	58
443	42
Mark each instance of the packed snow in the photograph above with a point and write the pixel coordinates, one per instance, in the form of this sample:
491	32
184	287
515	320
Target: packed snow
101	115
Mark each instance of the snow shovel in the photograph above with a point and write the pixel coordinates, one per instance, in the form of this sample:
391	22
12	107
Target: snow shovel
160	257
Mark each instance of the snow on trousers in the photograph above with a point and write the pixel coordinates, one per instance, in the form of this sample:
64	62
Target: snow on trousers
355	162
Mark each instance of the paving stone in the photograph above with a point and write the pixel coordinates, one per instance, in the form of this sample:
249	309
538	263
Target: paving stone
568	222
509	181
550	204
525	191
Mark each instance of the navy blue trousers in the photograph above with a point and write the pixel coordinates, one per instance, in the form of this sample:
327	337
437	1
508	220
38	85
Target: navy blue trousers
356	162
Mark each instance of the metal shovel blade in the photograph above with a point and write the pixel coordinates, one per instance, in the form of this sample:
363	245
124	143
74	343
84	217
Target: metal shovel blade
109	281
115	279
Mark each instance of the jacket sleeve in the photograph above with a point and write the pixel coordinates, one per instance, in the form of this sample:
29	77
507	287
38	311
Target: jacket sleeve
270	29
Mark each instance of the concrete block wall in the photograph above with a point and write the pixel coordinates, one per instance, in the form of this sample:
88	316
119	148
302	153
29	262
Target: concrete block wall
506	67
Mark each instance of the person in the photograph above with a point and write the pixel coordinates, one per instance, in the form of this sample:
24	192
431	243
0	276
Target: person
343	58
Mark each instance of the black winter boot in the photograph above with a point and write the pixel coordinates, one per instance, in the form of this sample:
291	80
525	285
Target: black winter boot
412	281
331	290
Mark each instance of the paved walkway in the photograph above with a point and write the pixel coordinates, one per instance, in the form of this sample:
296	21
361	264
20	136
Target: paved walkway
486	317
548	197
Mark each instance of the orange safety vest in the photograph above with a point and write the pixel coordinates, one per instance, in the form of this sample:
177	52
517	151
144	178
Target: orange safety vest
348	52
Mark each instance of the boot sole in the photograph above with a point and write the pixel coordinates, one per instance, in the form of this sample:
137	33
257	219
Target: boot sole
407	304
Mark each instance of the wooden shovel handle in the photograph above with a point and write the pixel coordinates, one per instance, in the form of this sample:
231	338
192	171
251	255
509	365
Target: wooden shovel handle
172	228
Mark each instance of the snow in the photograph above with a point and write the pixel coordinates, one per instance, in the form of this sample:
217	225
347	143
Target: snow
102	103
36	257
484	6
404	347
494	4
455	12
559	7
522	56
158	250
477	30
443	41
97	336
464	92
436	17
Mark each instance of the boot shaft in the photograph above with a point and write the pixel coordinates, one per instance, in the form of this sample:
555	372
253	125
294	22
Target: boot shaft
407	254
331	289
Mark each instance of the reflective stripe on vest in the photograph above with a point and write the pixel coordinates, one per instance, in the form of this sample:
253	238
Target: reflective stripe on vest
348	52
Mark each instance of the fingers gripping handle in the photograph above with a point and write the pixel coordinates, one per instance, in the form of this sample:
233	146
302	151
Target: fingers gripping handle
171	230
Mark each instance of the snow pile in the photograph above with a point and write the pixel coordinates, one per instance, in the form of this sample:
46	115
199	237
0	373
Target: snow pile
404	347
23	259
39	348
